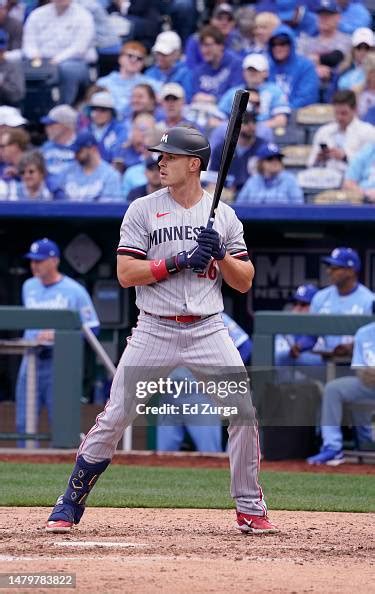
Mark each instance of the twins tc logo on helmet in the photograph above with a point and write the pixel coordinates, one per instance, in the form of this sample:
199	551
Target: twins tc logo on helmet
164	138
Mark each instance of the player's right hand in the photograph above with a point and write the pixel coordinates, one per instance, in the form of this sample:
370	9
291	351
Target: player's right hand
198	257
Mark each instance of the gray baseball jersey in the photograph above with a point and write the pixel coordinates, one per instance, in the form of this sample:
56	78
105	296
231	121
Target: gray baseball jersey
156	227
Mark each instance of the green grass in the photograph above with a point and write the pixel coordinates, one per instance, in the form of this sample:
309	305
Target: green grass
137	486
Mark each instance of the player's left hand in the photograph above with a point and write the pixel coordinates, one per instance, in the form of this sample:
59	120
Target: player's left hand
212	239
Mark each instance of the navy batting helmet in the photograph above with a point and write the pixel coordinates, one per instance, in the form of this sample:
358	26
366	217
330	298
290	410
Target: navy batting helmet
184	141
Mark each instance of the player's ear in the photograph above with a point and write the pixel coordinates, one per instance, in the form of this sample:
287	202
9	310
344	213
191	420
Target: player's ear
195	164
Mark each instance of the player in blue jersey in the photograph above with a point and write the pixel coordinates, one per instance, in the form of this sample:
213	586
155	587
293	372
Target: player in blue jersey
48	289
207	438
348	390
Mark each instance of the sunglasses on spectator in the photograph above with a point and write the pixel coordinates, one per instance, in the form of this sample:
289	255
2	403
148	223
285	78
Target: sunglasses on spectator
171	98
133	57
99	108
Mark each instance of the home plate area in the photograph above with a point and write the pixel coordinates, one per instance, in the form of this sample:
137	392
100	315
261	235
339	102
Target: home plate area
138	551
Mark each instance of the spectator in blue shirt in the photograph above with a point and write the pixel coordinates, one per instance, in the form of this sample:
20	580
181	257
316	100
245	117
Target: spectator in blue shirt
172	100
354	78
152	180
274	107
108	131
134	149
60	124
294	74
223	19
121	83
244	161
271	185
168	66
360	174
352	16
220	70
35	183
90	179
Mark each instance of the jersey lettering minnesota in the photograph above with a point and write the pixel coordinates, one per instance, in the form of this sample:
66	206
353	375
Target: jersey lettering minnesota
156	227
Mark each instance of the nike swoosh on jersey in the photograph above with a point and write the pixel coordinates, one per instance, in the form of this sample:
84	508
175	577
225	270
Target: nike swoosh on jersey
161	214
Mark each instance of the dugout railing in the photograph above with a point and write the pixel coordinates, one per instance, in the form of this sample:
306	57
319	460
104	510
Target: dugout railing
67	368
267	324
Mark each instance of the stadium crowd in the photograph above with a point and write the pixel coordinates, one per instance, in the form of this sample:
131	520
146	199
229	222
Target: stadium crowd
87	85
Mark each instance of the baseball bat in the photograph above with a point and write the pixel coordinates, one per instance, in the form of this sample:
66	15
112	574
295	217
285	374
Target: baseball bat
239	105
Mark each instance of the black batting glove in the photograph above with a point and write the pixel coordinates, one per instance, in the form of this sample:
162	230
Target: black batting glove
211	238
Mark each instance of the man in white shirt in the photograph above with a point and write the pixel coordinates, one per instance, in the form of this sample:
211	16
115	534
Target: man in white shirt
334	144
62	33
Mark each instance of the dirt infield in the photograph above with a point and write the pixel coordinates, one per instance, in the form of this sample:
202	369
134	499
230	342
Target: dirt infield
140	551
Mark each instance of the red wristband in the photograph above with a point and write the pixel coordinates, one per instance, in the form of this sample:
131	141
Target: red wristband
159	269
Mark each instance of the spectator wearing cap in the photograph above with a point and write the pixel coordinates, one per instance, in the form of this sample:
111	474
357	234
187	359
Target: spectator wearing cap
47	289
272	184
353	15
168	66
103	124
334	144
134	149
152	176
290	350
220	69
60	125
274	107
14	29
89	178
347	390
12	78
62	32
243	164
329	50
294	74
362	43
172	100
222	19
121	83
293	13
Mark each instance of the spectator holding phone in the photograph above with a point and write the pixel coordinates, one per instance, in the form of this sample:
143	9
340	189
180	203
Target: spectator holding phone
337	142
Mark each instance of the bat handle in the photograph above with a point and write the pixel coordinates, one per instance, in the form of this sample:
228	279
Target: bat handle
209	225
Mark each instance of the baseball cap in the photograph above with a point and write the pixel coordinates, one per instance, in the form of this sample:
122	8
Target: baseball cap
363	35
223	8
102	99
61	114
4	38
327	6
83	140
167	42
256	61
343	257
42	249
173	89
11	116
286	9
269	150
304	293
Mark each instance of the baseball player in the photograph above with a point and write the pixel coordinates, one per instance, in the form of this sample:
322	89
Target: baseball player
48	289
162	245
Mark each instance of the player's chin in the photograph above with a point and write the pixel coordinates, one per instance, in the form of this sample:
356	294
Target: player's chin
164	180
